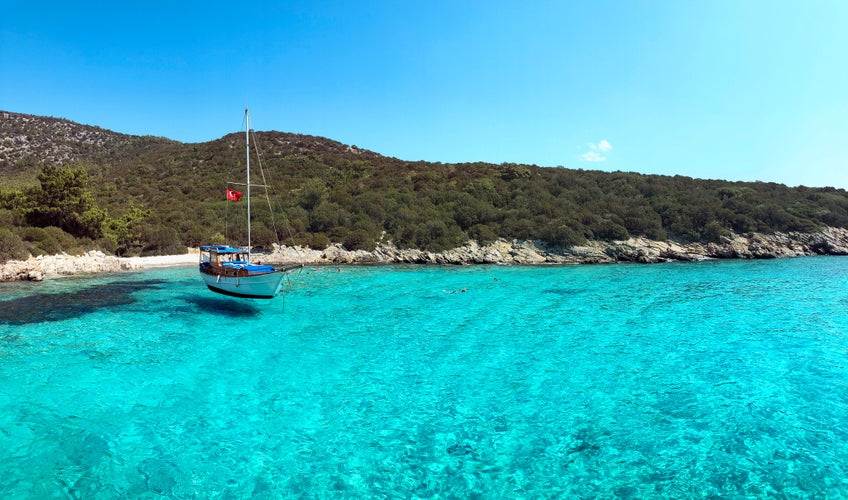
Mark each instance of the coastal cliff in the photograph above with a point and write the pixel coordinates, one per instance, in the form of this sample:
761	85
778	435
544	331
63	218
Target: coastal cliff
829	241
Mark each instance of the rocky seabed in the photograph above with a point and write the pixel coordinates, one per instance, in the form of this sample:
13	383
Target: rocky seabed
829	241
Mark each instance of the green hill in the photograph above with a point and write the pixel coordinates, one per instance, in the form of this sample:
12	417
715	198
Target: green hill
143	194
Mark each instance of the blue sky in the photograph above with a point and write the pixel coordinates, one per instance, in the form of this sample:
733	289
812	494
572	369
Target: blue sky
737	90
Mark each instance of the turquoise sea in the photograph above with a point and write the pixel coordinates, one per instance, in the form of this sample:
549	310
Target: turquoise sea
713	379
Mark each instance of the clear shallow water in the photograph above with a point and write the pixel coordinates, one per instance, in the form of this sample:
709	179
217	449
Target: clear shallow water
677	380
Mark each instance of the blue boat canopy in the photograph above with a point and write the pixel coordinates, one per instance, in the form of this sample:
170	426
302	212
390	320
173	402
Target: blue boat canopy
222	249
252	268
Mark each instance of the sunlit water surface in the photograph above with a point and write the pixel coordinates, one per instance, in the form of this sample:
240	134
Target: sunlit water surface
676	380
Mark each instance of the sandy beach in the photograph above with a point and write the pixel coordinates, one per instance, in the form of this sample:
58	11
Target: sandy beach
161	260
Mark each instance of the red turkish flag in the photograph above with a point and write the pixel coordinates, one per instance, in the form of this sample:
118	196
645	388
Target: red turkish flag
233	195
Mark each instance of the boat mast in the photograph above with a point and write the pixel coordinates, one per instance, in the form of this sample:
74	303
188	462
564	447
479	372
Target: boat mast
247	155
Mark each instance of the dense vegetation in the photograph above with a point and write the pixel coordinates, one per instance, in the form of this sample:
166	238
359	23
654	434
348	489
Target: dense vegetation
130	195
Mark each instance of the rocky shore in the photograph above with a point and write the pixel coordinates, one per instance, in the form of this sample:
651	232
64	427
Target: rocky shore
829	241
37	268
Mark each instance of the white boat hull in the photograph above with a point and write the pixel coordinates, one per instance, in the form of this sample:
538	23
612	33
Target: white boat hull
261	286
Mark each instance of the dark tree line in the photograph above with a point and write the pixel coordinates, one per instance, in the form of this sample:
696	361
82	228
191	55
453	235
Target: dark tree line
160	196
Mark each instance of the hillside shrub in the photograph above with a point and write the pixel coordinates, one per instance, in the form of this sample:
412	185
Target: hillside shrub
713	232
358	239
561	235
610	231
11	246
39	242
483	234
162	240
317	241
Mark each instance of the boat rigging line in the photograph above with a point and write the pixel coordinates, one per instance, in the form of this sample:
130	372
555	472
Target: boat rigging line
284	230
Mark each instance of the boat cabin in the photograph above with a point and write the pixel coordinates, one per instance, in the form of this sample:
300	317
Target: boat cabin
225	260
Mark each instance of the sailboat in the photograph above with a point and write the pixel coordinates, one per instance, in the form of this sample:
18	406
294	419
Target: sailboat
228	270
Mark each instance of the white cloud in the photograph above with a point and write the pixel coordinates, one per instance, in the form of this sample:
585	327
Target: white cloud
597	151
593	156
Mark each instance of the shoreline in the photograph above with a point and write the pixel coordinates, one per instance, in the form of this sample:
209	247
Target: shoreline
828	241
93	262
